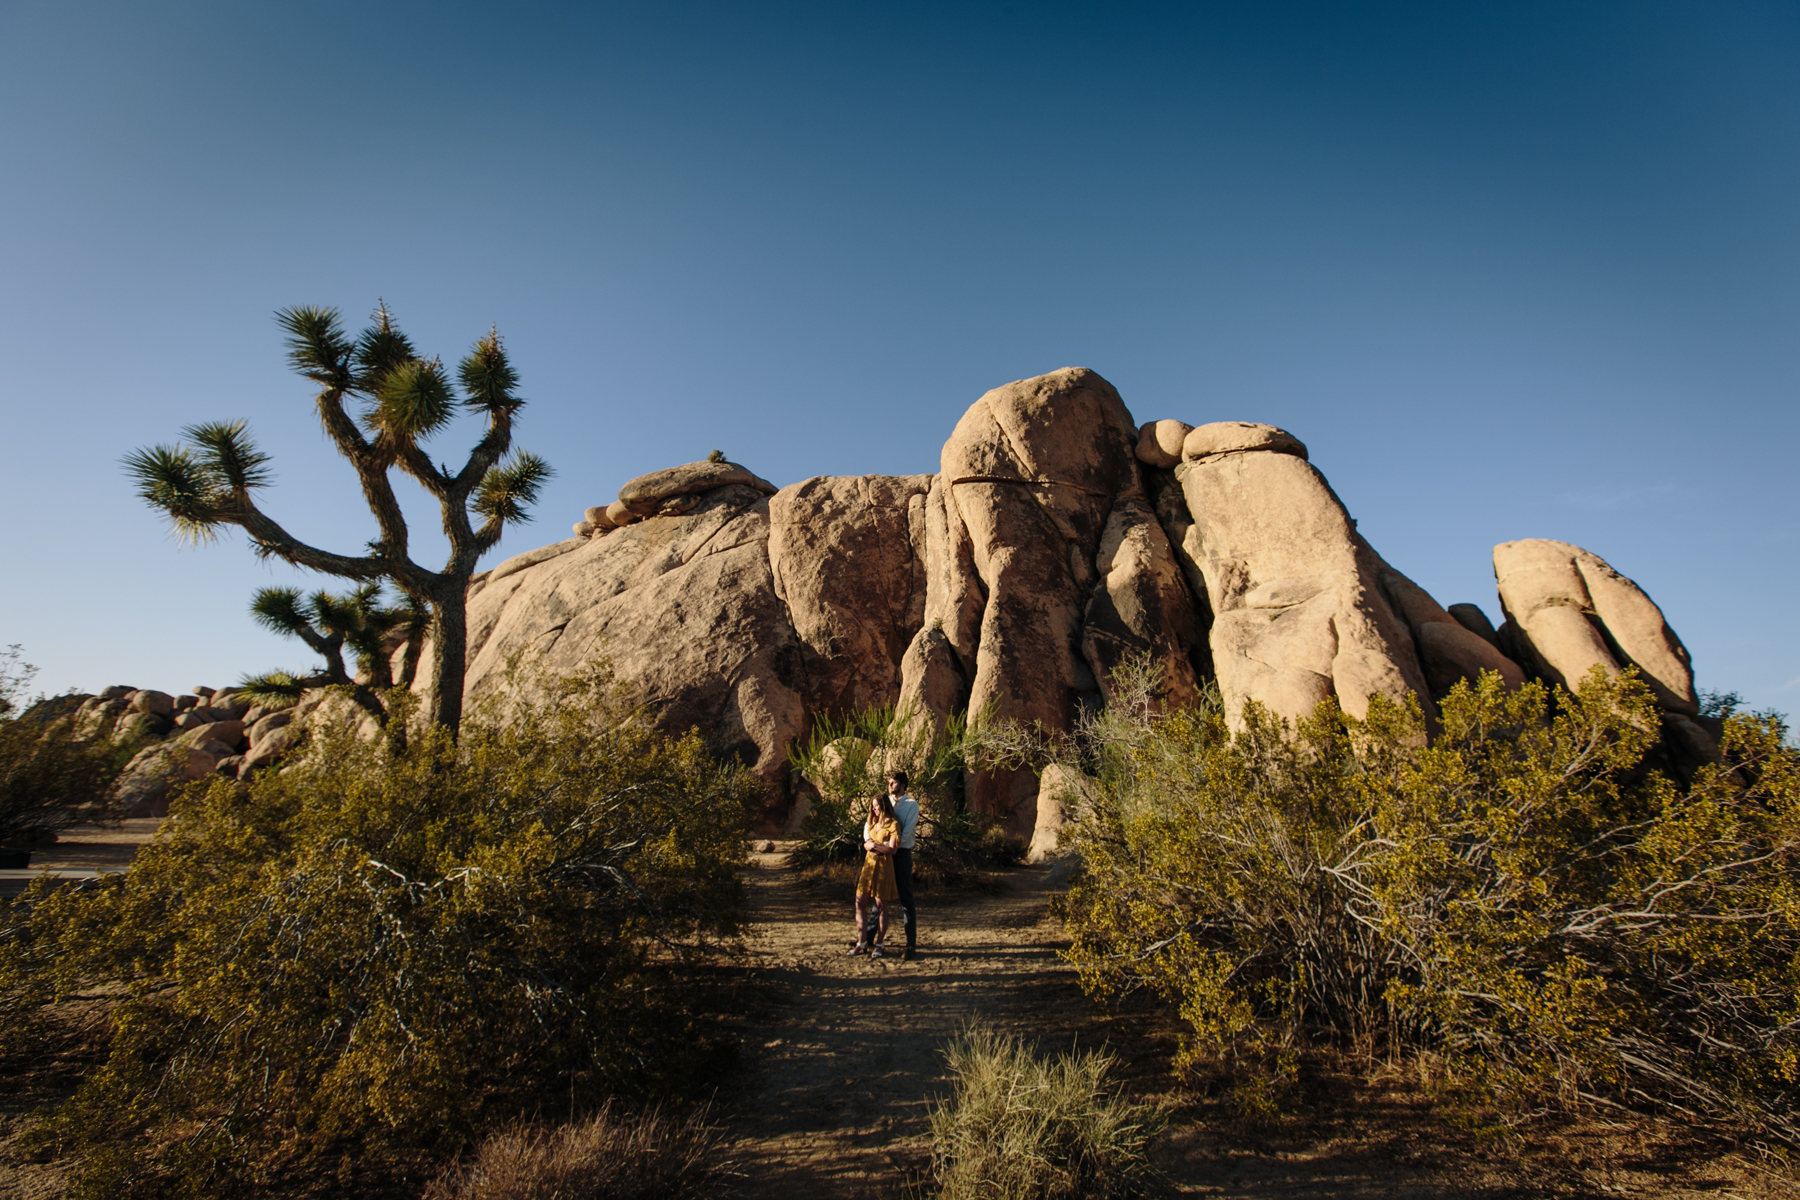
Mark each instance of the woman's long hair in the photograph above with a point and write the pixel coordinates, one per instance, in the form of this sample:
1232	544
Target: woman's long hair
881	806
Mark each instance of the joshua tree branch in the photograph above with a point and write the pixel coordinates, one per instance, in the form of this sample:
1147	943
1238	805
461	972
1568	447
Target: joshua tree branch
371	471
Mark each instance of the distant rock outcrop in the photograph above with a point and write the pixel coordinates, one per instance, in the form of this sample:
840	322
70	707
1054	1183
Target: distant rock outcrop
182	739
1058	539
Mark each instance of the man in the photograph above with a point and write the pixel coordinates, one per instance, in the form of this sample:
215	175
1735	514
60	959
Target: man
906	811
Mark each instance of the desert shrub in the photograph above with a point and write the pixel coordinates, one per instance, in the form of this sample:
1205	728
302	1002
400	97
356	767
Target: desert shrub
1018	1126
381	946
609	1156
49	779
849	760
1518	896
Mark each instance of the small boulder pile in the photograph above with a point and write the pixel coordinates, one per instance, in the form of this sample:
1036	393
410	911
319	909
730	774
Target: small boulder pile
191	736
672	492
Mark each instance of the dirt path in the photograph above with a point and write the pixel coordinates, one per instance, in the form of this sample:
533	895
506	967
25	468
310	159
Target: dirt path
843	1064
842	1060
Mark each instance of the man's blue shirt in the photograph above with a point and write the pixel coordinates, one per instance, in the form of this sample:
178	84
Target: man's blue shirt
906	811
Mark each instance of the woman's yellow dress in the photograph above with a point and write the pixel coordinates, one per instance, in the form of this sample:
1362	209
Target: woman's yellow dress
877	878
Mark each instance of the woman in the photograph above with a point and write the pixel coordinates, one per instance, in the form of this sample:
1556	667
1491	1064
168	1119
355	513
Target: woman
881	838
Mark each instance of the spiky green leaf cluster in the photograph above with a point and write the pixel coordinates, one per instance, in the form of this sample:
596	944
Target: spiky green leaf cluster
198	486
329	622
272	688
412	401
316	344
507	491
488	378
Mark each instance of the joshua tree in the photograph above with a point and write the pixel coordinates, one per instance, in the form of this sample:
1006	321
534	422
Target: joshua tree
209	483
331	624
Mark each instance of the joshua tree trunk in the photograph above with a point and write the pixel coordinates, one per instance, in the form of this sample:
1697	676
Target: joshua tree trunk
449	650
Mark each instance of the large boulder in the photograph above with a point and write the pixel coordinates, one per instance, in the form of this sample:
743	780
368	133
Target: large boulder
144	787
847	554
1237	437
684	607
151	701
1160	443
142	725
1298	613
1030	474
1060	792
268	746
1573	612
940	662
648	495
258	732
231	733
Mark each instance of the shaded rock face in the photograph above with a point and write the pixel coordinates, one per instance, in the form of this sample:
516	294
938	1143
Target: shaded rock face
1058	540
1448	649
848	558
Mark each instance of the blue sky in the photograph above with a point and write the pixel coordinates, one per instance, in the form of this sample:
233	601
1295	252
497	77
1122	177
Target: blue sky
1510	270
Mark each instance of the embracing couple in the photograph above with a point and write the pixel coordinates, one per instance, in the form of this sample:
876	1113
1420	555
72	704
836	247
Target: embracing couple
887	867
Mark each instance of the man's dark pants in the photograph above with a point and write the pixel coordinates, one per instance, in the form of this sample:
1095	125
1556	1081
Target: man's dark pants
903	881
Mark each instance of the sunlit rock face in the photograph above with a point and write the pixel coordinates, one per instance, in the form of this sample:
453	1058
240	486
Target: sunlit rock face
1058	540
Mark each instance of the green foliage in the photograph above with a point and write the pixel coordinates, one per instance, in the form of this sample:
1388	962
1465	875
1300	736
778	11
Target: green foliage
49	779
175	480
849	760
316	345
488	378
412	401
330	623
208	483
197	485
1018	1127
381	946
609	1156
510	488
1518	897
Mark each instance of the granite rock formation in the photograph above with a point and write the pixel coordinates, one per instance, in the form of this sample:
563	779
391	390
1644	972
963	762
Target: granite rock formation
1057	539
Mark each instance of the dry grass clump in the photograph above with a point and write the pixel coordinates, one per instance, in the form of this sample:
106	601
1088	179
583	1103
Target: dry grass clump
1019	1127
609	1156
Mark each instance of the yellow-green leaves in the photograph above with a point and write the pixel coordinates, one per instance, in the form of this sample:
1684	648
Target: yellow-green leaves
1525	894
381	943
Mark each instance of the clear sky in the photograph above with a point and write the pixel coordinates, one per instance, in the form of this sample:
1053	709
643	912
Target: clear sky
1509	269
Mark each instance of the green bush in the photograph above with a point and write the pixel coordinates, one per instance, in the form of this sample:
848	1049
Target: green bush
390	947
1519	896
49	779
849	760
1019	1127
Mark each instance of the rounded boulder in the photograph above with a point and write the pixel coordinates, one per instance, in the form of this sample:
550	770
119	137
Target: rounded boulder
1233	437
1160	443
